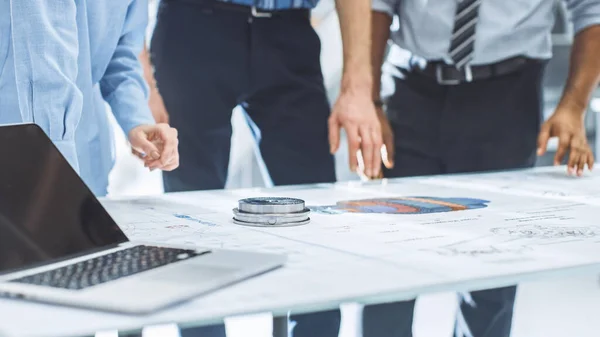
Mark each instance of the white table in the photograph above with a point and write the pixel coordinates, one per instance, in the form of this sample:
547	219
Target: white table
537	224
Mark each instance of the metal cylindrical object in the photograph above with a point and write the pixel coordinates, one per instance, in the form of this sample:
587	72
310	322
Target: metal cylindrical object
271	212
265	205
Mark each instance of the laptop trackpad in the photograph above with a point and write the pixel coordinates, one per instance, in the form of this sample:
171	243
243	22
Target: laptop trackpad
191	273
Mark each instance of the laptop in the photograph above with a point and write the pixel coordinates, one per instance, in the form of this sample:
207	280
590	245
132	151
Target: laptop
59	245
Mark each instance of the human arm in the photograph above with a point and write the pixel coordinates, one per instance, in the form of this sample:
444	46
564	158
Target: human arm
381	21
125	90
567	122
354	110
157	106
46	47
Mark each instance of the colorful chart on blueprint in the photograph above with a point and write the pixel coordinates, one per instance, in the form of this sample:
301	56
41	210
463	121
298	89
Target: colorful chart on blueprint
402	205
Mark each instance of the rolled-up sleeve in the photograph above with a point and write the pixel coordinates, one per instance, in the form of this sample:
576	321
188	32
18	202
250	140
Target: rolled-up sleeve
45	47
584	13
385	6
123	85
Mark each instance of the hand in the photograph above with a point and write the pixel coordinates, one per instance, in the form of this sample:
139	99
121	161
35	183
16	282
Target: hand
156	145
569	127
355	112
157	106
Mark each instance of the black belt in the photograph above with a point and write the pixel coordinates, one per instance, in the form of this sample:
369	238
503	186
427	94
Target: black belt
249	10
446	74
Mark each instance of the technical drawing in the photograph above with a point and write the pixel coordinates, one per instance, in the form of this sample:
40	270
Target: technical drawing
548	231
479	251
196	220
402	205
178	227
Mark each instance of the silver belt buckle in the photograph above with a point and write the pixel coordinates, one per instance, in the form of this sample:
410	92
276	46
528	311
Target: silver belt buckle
468	73
258	14
441	80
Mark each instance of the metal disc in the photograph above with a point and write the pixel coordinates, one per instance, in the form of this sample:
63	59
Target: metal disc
287	224
271	218
271	205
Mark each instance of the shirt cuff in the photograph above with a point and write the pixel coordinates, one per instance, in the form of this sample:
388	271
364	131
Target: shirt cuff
383	6
130	110
584	21
68	149
143	116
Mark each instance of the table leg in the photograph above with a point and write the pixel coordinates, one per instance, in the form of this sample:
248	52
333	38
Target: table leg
280	326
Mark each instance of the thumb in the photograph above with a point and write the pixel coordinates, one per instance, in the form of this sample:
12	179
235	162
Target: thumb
139	141
542	142
334	135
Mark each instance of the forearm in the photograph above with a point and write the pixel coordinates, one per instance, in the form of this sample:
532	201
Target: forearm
124	84
355	18
584	70
129	103
125	90
380	33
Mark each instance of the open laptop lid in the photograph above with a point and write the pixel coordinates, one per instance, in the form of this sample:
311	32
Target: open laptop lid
47	213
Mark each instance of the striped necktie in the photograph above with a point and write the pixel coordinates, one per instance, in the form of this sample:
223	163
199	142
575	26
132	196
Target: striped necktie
463	34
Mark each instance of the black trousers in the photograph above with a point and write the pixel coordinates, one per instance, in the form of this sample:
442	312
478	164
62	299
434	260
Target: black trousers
485	125
207	61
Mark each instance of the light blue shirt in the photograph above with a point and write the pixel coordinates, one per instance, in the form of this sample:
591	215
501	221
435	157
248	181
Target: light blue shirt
277	4
506	28
60	61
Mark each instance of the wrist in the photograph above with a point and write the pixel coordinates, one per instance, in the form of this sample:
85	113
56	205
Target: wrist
576	107
357	81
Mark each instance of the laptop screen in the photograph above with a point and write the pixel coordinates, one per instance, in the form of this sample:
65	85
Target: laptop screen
46	211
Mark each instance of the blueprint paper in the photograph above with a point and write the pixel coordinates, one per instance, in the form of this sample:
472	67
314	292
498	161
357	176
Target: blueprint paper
442	230
155	219
508	234
547	182
375	241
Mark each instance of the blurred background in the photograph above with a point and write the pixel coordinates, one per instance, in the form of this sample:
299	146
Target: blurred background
569	313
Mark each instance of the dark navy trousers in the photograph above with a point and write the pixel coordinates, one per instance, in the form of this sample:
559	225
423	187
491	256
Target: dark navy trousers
481	126
207	61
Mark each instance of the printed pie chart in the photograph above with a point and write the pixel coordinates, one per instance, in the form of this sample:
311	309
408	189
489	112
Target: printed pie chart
402	205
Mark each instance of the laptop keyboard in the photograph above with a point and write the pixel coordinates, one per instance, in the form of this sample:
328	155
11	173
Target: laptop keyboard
108	267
